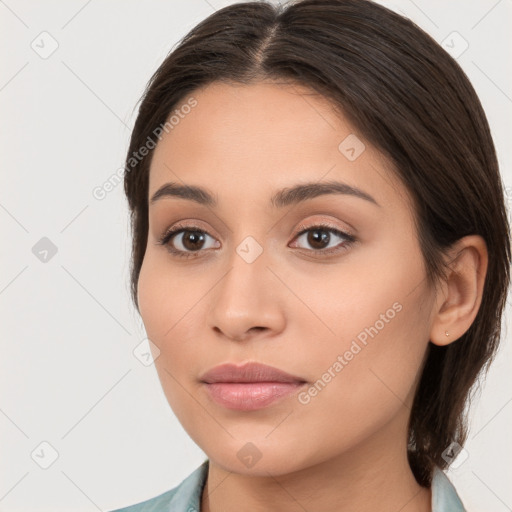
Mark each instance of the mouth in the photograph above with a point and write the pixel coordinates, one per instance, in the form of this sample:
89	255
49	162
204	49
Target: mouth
249	387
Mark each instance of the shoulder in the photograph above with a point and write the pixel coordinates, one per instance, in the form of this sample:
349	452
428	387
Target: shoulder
444	495
184	497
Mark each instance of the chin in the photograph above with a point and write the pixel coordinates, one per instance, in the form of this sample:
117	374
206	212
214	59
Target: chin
259	457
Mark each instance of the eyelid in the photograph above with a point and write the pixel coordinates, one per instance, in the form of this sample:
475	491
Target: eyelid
323	224
301	228
189	225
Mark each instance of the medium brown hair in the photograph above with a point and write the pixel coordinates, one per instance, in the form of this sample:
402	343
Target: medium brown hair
408	98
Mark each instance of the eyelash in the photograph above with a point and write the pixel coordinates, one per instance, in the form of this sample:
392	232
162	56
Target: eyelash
168	235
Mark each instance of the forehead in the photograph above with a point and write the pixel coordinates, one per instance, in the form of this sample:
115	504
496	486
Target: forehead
250	140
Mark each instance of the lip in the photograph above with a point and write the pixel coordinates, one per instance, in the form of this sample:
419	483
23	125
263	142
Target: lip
250	386
248	372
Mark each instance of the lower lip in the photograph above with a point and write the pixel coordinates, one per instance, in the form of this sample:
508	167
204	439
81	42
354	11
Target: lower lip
250	396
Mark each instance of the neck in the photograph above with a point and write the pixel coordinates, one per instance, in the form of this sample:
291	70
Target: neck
374	475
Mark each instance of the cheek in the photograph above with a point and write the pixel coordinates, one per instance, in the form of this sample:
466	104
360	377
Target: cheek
374	334
166	298
362	381
166	305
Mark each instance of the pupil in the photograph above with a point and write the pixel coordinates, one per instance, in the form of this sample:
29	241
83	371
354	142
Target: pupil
317	240
193	239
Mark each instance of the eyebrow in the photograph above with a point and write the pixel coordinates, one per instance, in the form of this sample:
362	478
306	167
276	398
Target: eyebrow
284	197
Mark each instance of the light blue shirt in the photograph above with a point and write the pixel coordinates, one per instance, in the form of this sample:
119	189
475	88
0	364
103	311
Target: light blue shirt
186	497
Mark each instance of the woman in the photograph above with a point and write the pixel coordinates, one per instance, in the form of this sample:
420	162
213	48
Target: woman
320	256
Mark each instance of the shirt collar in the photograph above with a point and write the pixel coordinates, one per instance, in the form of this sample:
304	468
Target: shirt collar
444	495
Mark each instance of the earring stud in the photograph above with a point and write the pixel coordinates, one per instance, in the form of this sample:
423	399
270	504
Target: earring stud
446	332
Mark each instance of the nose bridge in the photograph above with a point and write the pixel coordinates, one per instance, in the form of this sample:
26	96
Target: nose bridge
247	278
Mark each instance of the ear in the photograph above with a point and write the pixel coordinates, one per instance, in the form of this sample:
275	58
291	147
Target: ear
460	294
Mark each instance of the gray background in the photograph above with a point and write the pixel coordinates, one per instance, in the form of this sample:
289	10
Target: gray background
68	373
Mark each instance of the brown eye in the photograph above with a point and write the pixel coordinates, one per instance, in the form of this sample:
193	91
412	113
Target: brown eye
318	238
192	240
185	241
324	238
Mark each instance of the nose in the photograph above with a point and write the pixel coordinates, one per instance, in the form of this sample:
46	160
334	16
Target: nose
247	300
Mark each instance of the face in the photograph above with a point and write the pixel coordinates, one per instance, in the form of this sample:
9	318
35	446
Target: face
327	285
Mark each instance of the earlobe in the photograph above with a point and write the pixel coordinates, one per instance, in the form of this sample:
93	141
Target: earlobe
462	290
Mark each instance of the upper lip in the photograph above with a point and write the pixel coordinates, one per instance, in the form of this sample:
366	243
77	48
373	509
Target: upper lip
249	372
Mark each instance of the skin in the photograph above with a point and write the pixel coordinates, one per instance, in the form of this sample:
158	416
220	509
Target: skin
293	308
